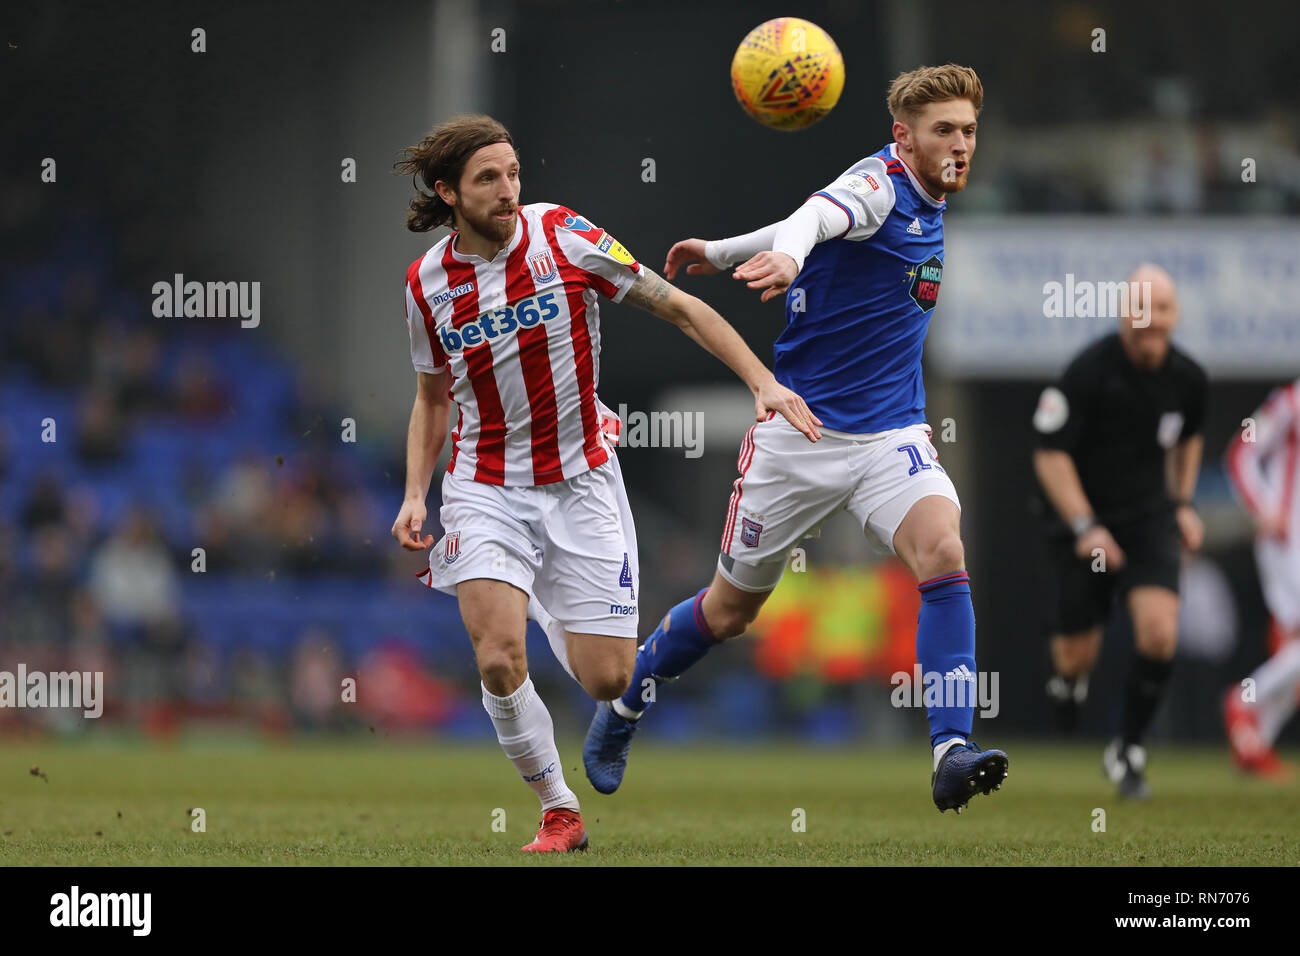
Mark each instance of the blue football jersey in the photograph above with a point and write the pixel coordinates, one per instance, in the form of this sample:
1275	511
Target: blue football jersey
857	314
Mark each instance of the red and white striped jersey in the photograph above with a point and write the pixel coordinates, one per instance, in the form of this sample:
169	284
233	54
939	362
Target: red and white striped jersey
521	335
1266	471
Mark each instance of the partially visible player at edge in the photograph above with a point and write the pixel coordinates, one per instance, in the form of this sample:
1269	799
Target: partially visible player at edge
1265	472
865	256
503	320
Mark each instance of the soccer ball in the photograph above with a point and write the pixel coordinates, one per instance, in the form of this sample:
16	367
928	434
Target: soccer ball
787	73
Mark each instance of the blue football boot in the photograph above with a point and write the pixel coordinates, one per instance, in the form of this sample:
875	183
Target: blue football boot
965	770
604	753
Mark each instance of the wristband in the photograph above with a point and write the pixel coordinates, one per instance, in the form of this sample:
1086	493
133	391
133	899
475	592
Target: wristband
1082	524
1183	503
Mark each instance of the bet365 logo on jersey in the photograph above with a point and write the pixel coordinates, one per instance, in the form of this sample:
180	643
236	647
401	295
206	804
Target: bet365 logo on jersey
524	314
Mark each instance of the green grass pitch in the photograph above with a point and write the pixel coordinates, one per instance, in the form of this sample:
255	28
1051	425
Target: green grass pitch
380	802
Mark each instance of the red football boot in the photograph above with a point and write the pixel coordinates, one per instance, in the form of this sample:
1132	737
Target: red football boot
1249	751
1269	766
561	831
1242	724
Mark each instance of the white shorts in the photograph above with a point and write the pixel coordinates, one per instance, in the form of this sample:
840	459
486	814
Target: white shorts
571	545
1279	579
788	486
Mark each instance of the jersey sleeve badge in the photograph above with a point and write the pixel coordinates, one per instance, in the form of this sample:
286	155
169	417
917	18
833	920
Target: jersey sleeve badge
615	250
860	183
1053	411
1169	429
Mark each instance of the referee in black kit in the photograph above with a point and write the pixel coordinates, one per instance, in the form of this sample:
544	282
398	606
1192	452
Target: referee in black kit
1119	451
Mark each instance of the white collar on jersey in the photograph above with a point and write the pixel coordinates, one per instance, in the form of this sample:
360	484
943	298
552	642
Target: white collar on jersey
509	247
916	183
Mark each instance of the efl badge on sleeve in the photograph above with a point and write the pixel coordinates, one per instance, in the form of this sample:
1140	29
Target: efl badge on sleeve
749	532
452	550
614	249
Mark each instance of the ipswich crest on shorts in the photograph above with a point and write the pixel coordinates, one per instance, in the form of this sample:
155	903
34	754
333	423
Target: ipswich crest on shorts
452	549
749	532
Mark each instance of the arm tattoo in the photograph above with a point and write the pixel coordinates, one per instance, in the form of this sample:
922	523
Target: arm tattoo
649	292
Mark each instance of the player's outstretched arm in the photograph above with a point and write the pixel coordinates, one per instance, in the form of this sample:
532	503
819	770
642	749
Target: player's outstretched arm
711	257
775	269
771	256
699	321
689	253
425	435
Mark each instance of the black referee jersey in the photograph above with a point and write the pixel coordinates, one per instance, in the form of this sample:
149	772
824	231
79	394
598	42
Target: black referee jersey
1117	421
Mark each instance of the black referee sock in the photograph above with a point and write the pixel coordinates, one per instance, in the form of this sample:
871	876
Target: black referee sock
1147	679
1067	695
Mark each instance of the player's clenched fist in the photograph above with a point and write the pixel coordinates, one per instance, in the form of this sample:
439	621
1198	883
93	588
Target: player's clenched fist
406	529
775	397
688	251
771	271
1097	537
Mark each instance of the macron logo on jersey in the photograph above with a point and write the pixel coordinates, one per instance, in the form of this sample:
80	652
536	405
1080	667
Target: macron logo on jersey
450	294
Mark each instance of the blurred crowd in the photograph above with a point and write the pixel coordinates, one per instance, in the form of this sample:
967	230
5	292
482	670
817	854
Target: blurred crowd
1148	167
142	462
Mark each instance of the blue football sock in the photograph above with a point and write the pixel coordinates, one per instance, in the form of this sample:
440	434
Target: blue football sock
680	640
945	649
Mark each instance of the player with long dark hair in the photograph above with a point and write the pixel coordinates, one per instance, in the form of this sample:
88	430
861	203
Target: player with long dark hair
503	321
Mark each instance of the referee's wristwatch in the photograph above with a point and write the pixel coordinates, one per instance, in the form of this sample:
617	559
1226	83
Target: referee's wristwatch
1083	524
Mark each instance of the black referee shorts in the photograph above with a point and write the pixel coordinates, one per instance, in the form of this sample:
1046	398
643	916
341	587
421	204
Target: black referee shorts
1082	598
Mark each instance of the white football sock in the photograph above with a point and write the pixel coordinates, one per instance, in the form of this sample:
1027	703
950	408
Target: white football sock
524	728
624	711
944	747
1273	717
1275	690
554	632
1279	673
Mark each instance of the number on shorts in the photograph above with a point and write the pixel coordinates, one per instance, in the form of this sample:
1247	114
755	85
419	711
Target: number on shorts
918	460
